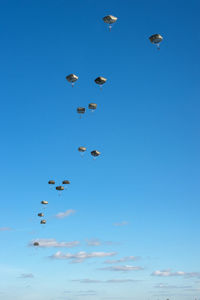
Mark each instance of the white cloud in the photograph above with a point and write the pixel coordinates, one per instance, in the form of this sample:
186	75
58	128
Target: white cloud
5	229
65	214
81	256
124	259
125	268
166	286
123	223
104	281
26	275
49	243
169	273
97	242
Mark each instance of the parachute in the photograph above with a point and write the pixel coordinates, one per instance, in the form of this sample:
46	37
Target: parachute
36	244
60	188
44	202
156	39
100	80
40	215
92	106
66	182
43	222
95	153
81	110
82	149
109	20
51	182
72	78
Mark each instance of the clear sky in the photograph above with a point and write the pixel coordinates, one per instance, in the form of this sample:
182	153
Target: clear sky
130	226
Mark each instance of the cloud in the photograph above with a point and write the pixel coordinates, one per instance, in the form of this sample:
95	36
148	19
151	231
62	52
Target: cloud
5	229
123	223
125	268
65	214
166	286
86	293
104	281
49	243
81	256
97	242
124	259
26	275
168	273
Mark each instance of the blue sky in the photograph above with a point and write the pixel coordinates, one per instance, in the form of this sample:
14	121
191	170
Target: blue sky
132	215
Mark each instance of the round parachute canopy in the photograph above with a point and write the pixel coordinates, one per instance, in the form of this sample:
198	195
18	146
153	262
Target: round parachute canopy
51	182
92	106
100	80
110	19
95	153
40	215
81	110
43	222
82	149
44	202
36	244
66	182
72	78
60	188
156	39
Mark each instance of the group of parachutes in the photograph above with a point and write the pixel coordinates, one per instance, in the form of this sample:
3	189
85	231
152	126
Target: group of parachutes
155	39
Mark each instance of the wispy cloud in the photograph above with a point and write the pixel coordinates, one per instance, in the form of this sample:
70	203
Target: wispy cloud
5	229
81	256
26	275
123	223
104	281
169	273
166	286
125	268
97	242
123	259
86	293
65	214
52	243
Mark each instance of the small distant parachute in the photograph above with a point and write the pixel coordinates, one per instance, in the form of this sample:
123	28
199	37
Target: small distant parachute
81	110
66	182
40	215
92	106
36	244
156	39
51	182
95	153
82	150
60	188
110	20
43	222
72	78
100	80
44	202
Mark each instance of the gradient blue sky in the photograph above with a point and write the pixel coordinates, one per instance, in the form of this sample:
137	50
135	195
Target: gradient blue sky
146	127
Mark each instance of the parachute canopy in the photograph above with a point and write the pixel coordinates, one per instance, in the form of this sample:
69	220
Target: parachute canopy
156	39
44	202
82	149
36	244
40	215
66	182
92	106
81	110
43	222
95	153
110	19
60	188
72	78
51	182
100	80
